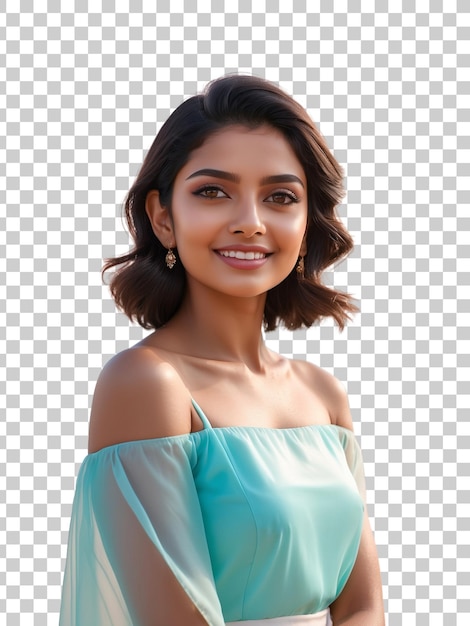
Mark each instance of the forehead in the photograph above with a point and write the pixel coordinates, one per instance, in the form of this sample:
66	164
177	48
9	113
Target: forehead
239	149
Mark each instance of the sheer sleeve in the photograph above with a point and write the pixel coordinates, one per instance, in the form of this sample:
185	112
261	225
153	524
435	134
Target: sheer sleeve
353	455
137	542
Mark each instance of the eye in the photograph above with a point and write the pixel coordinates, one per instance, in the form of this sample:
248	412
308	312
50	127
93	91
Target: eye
211	192
282	197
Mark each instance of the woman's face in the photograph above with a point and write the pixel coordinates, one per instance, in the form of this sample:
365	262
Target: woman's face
239	211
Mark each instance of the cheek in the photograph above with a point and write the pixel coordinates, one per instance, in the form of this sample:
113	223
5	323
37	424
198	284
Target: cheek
293	229
193	229
194	235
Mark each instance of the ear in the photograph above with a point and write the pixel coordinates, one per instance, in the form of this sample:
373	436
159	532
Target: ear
160	219
303	247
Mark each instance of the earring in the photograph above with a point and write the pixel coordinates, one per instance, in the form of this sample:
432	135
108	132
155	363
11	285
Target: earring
300	267
170	259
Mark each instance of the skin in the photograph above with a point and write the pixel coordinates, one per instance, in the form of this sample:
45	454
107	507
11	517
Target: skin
214	342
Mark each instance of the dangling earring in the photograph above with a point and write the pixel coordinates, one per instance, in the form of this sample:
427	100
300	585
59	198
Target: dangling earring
300	267
170	259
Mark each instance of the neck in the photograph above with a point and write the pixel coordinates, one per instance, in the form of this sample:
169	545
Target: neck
217	327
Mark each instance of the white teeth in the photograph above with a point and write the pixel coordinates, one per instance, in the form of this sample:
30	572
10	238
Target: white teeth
238	254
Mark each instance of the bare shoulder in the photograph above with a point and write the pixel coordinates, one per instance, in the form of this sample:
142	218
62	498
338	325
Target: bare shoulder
138	395
329	389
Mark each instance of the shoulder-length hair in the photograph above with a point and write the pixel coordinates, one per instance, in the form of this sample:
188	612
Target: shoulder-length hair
149	293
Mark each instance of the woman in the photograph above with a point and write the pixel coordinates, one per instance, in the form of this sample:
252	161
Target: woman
223	482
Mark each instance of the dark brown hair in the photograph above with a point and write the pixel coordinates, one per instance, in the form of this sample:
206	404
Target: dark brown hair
149	293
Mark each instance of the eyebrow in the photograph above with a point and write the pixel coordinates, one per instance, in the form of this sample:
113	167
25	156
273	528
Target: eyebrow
234	178
281	178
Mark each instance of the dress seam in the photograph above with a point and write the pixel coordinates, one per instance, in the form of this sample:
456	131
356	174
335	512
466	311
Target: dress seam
242	488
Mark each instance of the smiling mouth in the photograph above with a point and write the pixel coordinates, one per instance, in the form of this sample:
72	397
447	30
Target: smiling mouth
239	254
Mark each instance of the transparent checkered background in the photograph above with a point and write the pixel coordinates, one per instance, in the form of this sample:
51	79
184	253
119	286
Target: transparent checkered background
83	90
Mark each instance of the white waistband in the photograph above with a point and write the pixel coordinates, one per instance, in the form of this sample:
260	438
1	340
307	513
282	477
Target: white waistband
318	619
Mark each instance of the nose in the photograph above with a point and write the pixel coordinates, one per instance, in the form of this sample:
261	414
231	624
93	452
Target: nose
247	220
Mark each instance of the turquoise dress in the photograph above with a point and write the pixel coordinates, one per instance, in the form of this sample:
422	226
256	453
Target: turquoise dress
253	522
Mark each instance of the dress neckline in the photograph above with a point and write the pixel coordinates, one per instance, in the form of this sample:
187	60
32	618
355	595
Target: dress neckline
208	426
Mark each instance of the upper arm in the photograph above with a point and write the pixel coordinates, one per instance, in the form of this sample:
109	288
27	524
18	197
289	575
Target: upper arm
362	594
363	591
138	396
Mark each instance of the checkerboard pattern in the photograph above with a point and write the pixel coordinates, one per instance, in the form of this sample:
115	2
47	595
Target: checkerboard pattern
84	87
